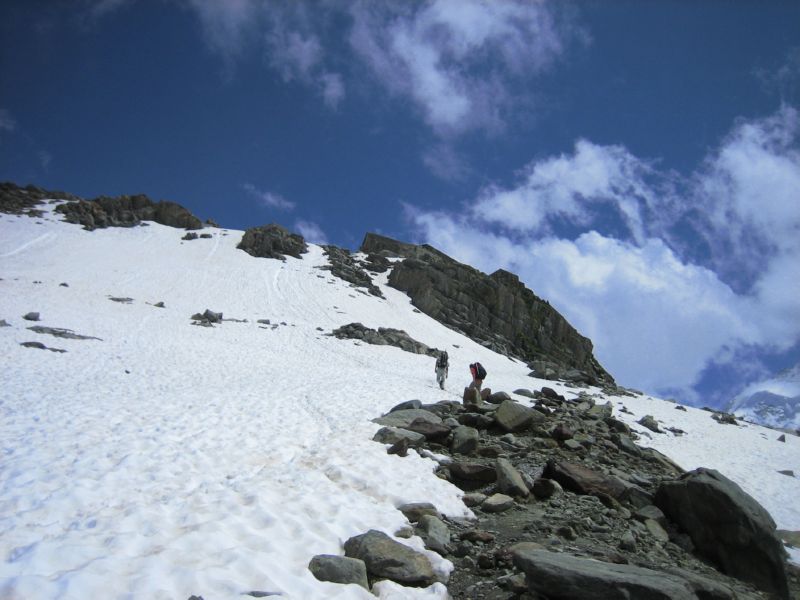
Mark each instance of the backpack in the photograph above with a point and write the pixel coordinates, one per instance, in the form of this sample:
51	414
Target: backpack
441	362
480	372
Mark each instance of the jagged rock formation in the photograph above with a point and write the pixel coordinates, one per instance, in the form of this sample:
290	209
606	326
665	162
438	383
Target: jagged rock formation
496	310
272	241
18	200
127	211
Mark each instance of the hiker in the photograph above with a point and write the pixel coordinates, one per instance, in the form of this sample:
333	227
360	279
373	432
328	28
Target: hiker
441	368
478	375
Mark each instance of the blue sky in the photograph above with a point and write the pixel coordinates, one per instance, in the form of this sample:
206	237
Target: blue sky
637	163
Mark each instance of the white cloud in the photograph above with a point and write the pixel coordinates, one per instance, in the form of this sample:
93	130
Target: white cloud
443	161
332	89
268	199
658	312
455	59
312	232
227	26
569	187
7	122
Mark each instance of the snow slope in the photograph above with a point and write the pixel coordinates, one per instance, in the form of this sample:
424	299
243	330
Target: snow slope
165	459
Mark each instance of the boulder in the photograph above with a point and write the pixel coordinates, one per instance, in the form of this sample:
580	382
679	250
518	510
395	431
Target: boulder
404	418
386	558
728	527
582	480
434	533
406	405
465	440
497	503
414	511
339	569
509	480
272	241
497	398
650	423
432	431
560	576
544	488
472	471
392	435
513	417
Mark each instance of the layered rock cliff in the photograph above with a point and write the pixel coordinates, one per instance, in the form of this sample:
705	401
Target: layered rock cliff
495	310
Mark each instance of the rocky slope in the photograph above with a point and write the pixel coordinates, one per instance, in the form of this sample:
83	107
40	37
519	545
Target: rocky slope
496	310
568	506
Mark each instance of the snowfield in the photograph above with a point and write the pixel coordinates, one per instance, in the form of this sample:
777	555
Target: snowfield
166	459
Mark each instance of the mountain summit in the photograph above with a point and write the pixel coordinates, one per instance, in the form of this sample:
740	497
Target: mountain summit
774	402
495	310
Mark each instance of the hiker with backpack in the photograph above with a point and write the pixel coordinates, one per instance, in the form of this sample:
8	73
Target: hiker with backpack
478	375
441	368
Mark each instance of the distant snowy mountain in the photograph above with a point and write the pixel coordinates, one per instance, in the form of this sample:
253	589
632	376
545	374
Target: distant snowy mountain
774	402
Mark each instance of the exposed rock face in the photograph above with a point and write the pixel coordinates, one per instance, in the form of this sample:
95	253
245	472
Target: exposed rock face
728	527
496	310
272	241
127	211
23	200
343	266
383	336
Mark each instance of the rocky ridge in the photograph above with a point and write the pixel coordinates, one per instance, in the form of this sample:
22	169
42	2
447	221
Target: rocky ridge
495	310
568	506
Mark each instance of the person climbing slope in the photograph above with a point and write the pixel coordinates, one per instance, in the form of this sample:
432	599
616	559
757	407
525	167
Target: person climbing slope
441	368
478	375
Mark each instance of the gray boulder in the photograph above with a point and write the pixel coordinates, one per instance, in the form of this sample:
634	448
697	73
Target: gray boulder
582	480
564	577
472	471
406	405
465	440
404	418
434	533
414	511
386	558
728	527
339	569
498	398
512	416
497	503
392	435
509	480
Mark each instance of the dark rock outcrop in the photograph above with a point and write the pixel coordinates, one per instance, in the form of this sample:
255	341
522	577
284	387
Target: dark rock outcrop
127	211
272	241
345	267
18	200
728	527
383	336
495	310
